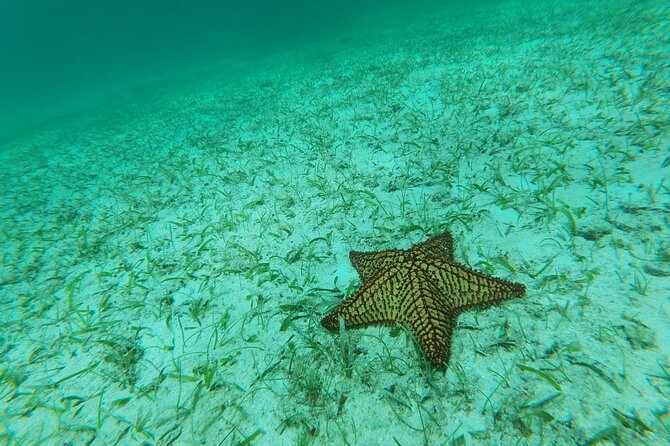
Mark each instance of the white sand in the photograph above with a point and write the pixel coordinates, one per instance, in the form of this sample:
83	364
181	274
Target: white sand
165	262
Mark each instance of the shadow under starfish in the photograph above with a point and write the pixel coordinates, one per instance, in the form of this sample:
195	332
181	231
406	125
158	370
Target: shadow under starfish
422	287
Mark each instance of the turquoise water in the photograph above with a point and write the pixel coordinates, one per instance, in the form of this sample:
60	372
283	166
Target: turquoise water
58	57
182	184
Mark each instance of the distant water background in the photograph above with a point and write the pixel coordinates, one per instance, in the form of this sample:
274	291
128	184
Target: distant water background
58	57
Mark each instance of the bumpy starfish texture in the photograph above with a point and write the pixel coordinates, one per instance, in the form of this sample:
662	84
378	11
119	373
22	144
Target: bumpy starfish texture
422	287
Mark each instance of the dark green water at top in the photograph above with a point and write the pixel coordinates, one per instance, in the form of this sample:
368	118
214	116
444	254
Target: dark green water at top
59	56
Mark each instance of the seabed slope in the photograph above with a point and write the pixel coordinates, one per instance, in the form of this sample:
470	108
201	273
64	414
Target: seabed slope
163	272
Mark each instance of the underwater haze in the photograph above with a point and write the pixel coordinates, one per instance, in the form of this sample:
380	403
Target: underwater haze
335	223
58	57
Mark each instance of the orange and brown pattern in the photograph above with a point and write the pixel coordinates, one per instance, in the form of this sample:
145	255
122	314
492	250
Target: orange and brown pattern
422	287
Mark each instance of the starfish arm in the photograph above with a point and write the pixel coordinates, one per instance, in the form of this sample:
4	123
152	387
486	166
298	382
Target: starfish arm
371	304
369	263
440	246
466	288
428	316
434	337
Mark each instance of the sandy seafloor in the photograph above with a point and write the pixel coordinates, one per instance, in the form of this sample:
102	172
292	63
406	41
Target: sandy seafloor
166	258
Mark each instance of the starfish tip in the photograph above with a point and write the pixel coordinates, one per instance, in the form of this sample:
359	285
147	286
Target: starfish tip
329	322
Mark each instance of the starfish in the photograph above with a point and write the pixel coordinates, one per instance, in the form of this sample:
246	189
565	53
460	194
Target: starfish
422	287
